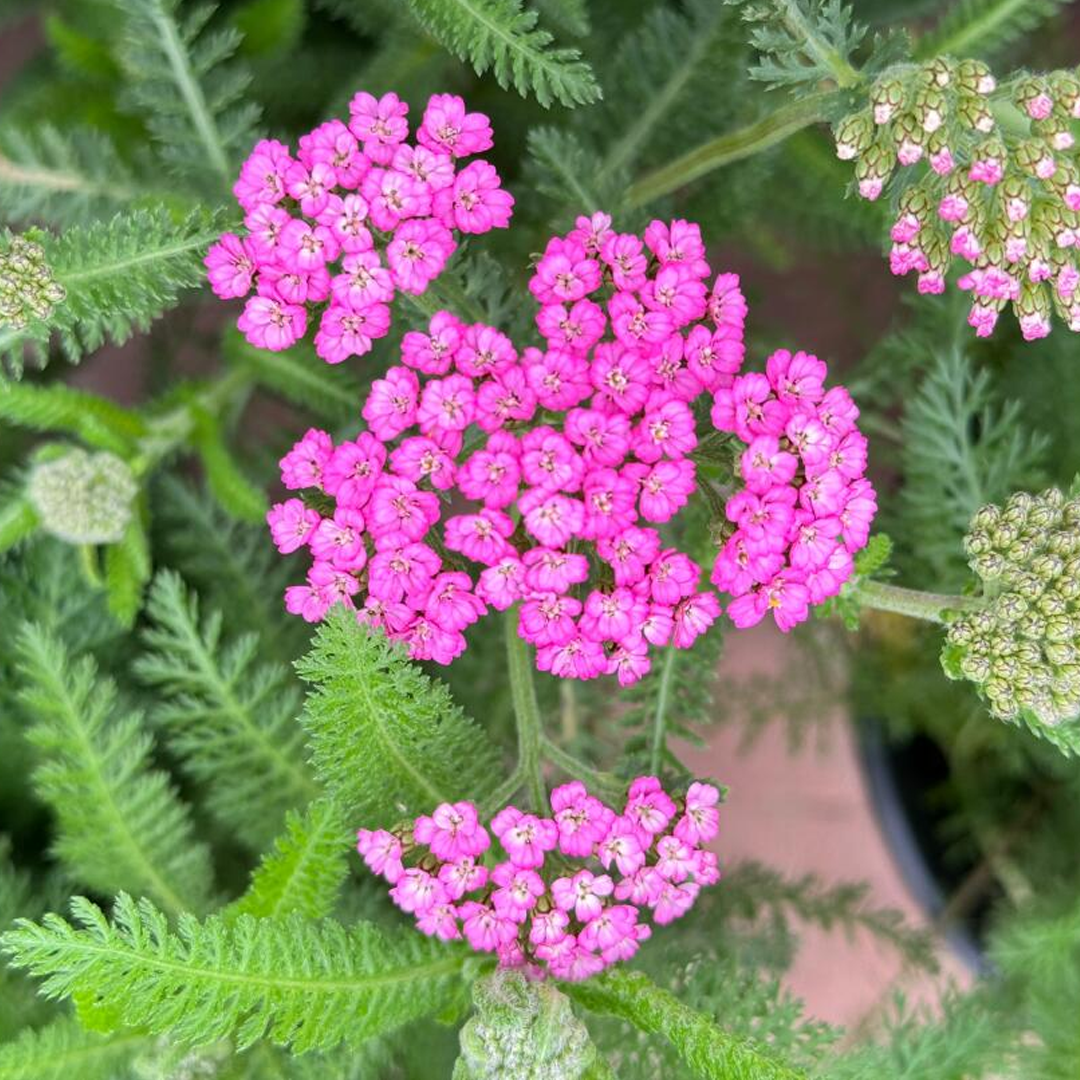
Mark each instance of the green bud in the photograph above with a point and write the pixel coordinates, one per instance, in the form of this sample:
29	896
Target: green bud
985	518
961	632
1070	512
1052	604
990	566
1047	566
1061	652
973	112
975	77
1032	626
887	97
939	71
976	668
28	289
1060	628
83	498
522	1029
854	134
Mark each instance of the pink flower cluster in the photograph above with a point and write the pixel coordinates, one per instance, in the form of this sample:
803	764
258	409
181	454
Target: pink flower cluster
357	214
806	506
584	446
557	919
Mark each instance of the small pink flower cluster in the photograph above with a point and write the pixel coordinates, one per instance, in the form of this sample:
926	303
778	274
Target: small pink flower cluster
608	459
357	214
568	923
806	507
1005	201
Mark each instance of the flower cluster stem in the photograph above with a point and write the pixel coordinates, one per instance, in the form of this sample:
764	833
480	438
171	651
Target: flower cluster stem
733	146
607	784
931	607
526	712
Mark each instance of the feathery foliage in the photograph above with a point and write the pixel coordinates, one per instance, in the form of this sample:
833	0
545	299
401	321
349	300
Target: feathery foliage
119	275
184	82
236	493
985	27
803	42
962	449
308	984
710	1052
55	407
63	1049
387	741
502	36
305	870
127	570
228	713
299	377
119	822
61	178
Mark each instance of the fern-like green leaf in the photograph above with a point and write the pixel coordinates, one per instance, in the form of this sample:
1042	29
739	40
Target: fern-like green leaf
962	448
502	36
61	178
387	741
55	407
708	1050
985	27
311	985
18	518
228	714
127	570
306	868
119	823
119	276
564	169
184	82
300	377
803	43
63	1050
232	489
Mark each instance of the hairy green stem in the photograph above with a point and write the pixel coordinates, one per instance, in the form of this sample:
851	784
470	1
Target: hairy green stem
526	712
913	603
732	146
605	783
659	727
503	793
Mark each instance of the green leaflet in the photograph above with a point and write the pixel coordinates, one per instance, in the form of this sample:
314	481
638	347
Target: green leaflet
305	870
119	275
229	715
119	822
63	1050
708	1050
502	36
311	985
985	27
387	741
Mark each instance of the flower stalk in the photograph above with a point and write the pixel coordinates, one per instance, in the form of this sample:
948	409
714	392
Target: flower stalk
931	607
526	713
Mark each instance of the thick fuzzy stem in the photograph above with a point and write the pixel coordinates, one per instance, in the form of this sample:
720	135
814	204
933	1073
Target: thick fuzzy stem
526	713
911	602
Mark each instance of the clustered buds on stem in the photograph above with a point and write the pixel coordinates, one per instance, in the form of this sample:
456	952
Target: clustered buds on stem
535	908
356	215
1021	647
83	498
28	289
580	449
1000	190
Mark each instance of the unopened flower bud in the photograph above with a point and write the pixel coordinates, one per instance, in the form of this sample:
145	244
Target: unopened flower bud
83	498
854	134
886	98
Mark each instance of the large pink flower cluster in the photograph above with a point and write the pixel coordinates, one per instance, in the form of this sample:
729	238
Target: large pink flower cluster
806	506
556	920
355	215
584	447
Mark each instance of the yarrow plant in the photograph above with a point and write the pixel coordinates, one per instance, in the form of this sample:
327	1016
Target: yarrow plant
580	450
998	185
356	215
571	892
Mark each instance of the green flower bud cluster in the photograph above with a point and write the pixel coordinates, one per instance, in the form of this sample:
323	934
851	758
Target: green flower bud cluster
522	1029
83	498
28	289
1000	190
1022	647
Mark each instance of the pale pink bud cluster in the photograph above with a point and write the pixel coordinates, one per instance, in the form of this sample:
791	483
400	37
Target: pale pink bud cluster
806	507
1004	200
357	214
570	893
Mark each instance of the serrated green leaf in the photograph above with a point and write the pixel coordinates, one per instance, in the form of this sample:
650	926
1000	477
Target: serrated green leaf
311	985
387	741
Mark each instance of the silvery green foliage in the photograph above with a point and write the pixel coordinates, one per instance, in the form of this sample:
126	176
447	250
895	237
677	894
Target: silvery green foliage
28	289
83	498
1020	647
522	1029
